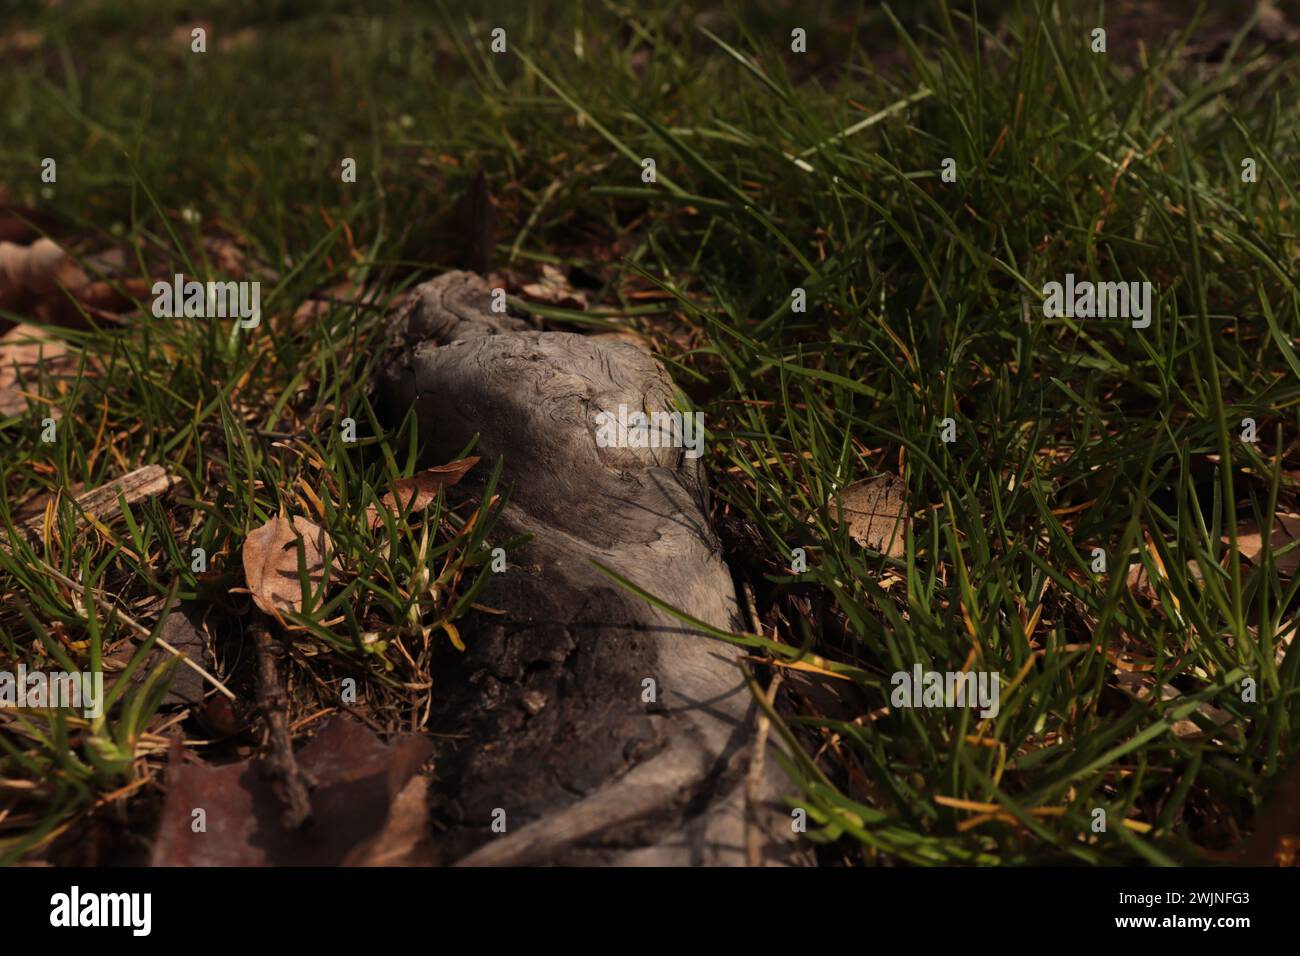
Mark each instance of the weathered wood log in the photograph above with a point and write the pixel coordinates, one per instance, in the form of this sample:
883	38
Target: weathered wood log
605	730
106	500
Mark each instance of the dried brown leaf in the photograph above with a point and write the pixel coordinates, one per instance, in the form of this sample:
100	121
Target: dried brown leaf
1286	529
416	493
40	268
342	296
17	221
554	288
877	513
1276	840
404	839
226	256
368	807
271	562
1141	684
26	350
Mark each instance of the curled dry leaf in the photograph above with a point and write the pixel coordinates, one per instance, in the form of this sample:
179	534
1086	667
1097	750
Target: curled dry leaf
37	276
40	268
877	513
271	562
416	493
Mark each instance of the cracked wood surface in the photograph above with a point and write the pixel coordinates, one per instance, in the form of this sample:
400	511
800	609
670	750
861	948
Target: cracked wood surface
544	711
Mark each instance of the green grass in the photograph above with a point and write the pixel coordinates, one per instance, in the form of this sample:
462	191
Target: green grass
775	171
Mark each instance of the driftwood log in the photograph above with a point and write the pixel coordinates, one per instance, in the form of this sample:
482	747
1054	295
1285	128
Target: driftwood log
543	721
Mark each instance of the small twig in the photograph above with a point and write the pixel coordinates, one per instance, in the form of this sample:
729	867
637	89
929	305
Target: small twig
271	701
763	724
754	774
754	778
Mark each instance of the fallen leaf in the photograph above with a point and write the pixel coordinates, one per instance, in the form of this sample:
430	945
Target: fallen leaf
19	223
1139	580
182	630
553	288
39	279
1276	840
26	350
271	562
416	493
404	839
20	43
877	514
343	296
116	296
369	807
226	256
237	40
1141	683
40	268
505	278
1286	529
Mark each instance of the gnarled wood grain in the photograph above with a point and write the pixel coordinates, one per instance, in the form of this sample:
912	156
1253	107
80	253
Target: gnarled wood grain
549	697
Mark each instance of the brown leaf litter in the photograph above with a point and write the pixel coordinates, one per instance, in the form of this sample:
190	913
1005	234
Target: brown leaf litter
270	557
876	511
369	807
